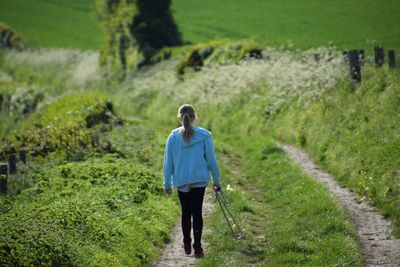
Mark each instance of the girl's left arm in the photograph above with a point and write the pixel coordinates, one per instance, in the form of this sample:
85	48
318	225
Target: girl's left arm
168	164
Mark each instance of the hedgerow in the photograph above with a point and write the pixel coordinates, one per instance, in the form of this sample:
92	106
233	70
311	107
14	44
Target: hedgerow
84	212
82	201
218	52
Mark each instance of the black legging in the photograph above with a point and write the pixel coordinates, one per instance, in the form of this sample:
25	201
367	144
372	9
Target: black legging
192	205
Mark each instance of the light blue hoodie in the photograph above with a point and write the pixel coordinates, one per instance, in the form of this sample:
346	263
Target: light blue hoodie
187	163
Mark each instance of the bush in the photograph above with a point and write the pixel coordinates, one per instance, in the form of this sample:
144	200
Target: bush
81	212
218	52
24	101
9	38
65	125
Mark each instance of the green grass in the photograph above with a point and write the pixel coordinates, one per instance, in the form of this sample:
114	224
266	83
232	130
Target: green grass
53	23
310	23
289	218
307	23
103	208
354	133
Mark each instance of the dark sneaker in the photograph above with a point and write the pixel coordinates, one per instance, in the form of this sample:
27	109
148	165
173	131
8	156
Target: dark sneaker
187	247
198	252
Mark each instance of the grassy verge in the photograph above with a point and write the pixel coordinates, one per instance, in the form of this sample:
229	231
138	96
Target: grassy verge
289	219
354	133
82	204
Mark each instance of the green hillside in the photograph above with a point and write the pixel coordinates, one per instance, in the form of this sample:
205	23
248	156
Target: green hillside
53	23
310	23
307	23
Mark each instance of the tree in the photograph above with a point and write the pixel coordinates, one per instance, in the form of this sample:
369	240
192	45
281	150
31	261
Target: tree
134	31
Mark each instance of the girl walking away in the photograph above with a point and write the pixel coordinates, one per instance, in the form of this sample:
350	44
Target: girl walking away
189	159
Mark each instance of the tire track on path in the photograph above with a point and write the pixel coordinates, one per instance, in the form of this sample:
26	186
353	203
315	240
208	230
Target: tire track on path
379	246
172	254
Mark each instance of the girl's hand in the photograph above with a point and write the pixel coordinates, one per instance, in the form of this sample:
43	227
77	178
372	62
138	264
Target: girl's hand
168	191
216	187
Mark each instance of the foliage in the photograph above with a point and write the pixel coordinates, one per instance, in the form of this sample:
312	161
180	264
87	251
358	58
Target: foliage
218	52
9	38
353	133
134	31
65	125
24	101
269	194
283	77
232	101
99	212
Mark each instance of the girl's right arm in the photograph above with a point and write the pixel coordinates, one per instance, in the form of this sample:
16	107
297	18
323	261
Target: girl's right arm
212	160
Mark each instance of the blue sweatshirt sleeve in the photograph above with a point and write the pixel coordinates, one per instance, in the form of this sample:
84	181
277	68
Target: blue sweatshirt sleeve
212	160
168	164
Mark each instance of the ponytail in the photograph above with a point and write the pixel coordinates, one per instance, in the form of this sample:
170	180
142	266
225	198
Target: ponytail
187	128
187	115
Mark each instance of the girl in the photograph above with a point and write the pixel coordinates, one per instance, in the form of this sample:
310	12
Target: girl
189	158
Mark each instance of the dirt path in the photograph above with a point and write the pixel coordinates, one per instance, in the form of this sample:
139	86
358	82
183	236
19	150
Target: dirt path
380	247
173	255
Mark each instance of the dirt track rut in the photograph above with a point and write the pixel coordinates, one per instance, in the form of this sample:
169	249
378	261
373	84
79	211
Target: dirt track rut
380	247
172	255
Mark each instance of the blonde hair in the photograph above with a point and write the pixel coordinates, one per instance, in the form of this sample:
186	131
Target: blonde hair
187	115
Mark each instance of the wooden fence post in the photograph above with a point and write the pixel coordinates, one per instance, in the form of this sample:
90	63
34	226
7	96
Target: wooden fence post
345	56
354	63
392	59
12	164
361	56
3	178
379	56
94	140
22	155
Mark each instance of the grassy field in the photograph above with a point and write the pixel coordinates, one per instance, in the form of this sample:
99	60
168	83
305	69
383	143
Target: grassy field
306	24
309	23
53	23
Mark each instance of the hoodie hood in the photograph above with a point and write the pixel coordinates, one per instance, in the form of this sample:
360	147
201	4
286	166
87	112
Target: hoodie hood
200	134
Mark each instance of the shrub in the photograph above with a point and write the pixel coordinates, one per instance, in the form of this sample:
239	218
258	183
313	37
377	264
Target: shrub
218	52
24	101
65	125
134	31
79	212
9	38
